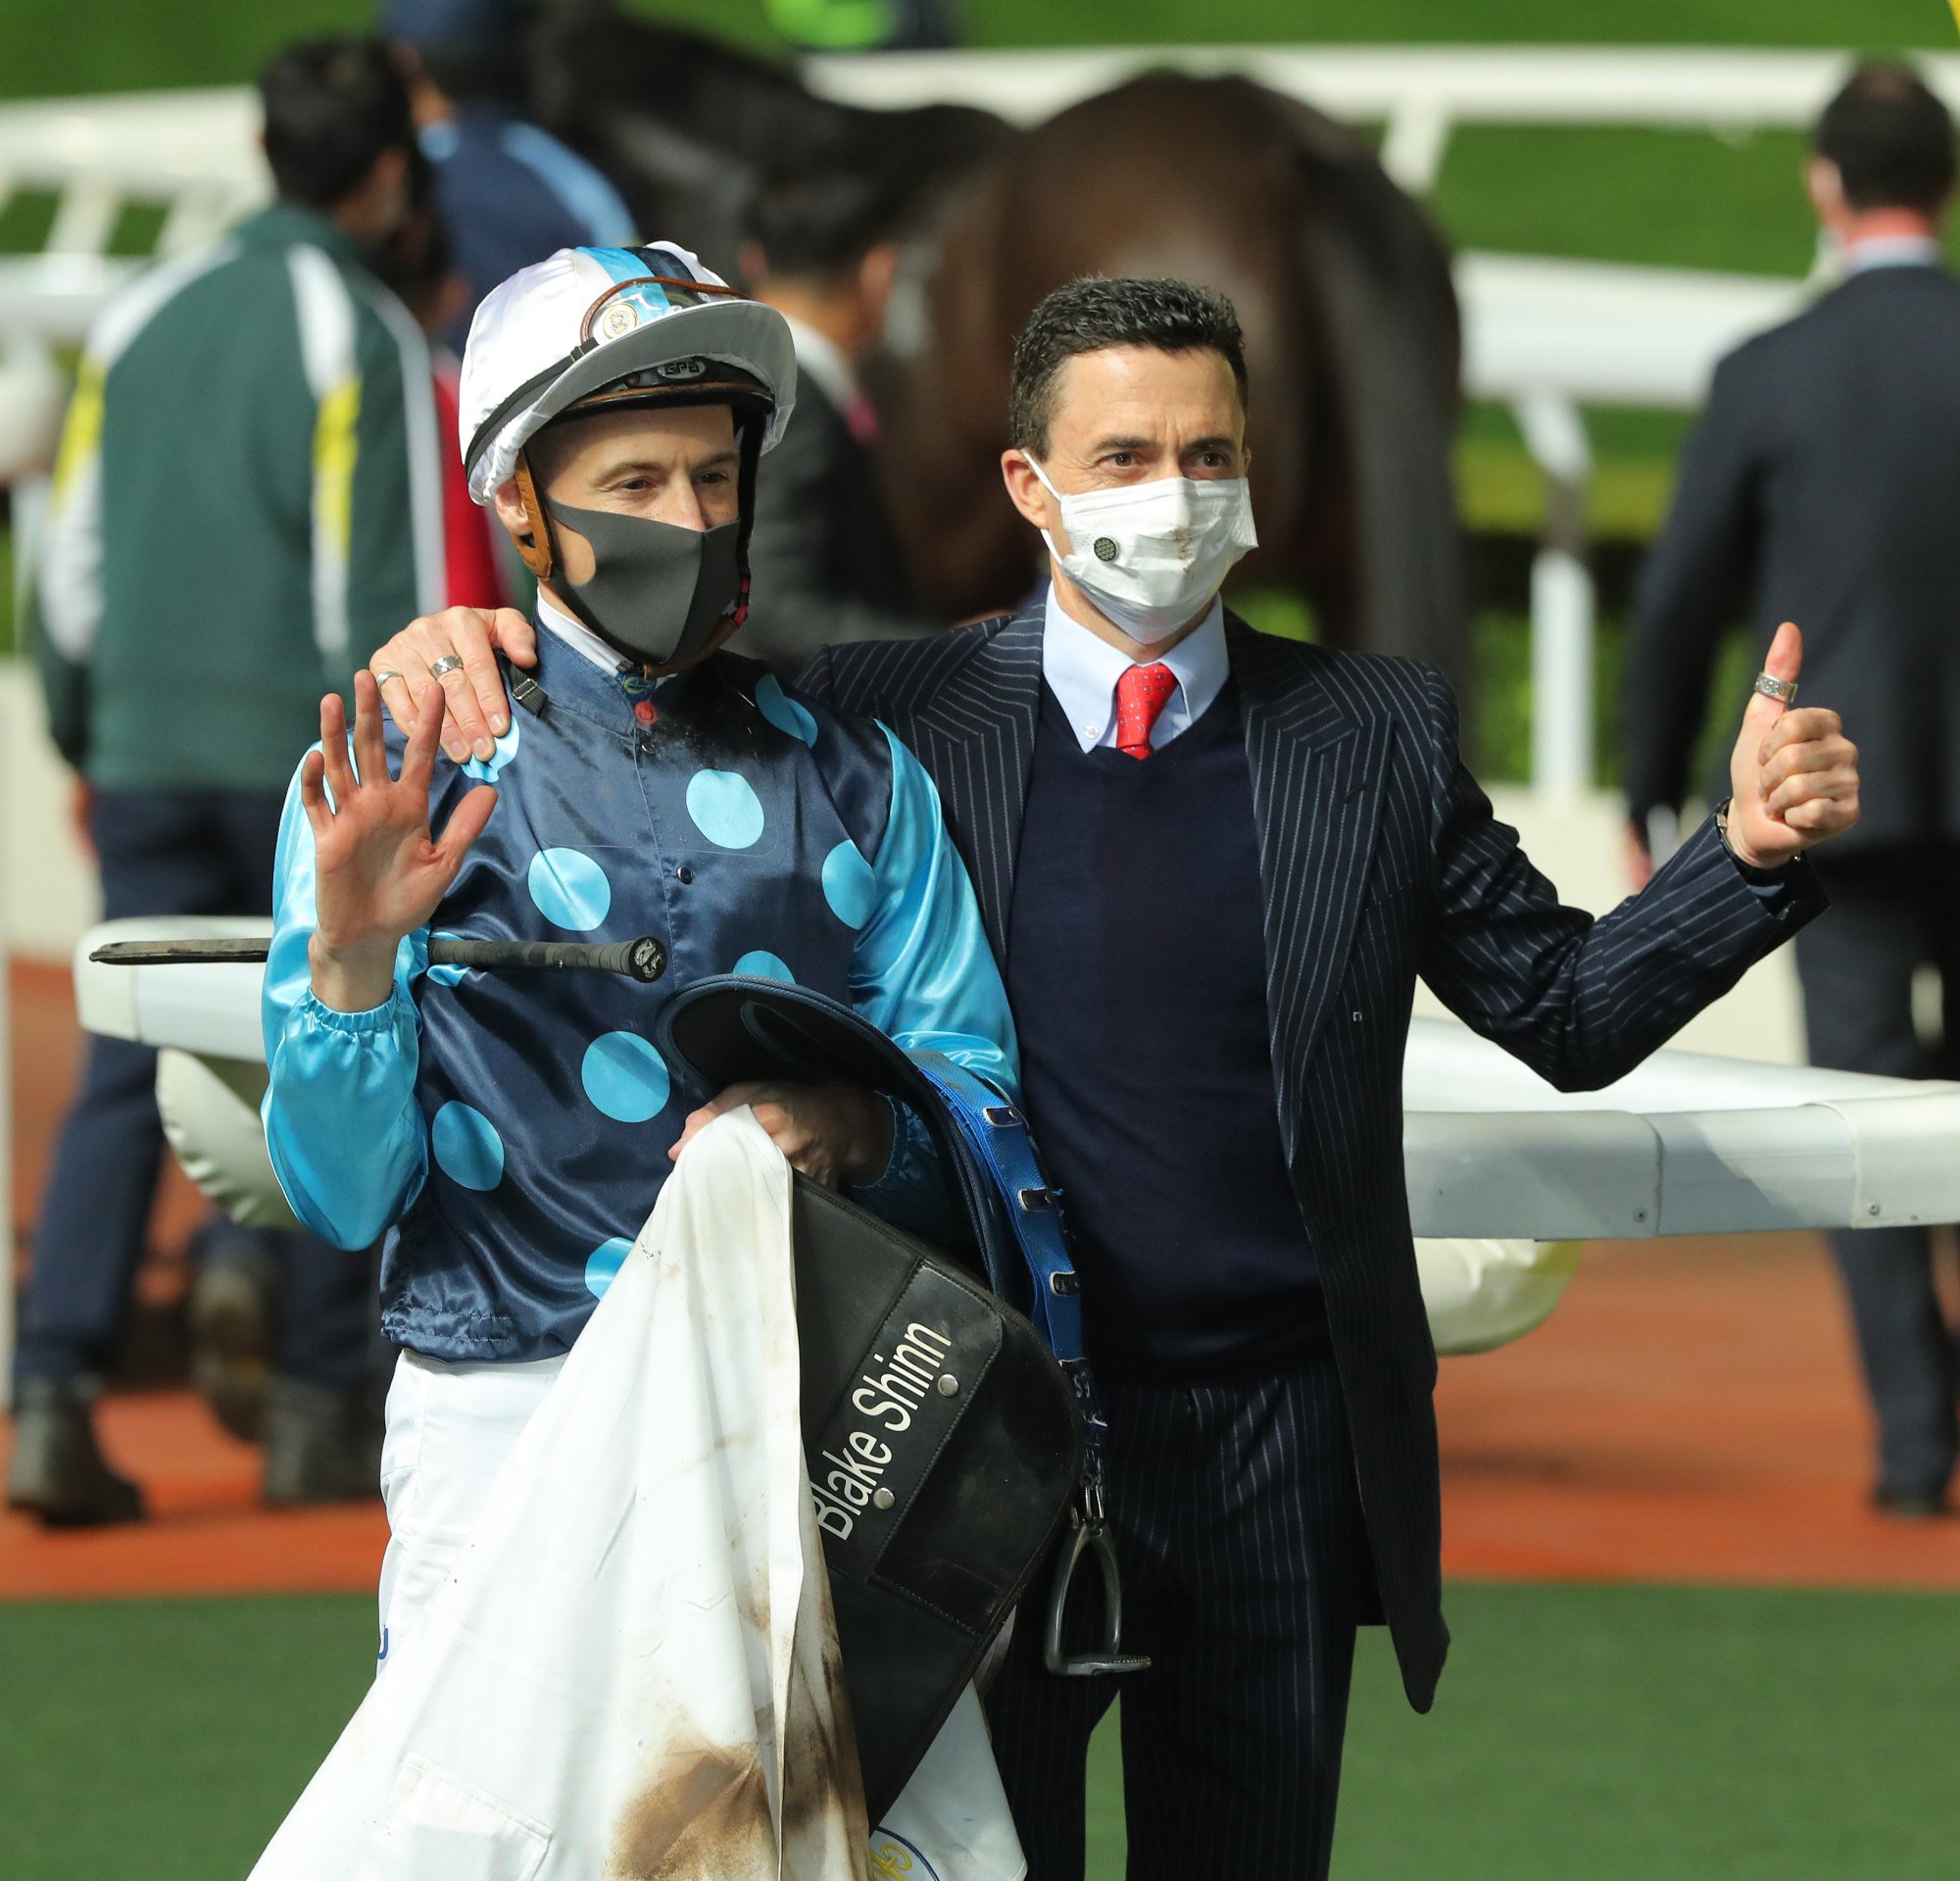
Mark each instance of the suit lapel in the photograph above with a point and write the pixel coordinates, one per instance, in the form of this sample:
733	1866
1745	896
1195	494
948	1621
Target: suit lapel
976	736
1316	770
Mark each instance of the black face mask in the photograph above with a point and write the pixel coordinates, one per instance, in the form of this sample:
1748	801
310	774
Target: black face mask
657	592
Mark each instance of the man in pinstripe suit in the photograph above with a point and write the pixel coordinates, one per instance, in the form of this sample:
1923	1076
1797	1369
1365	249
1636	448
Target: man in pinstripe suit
1211	956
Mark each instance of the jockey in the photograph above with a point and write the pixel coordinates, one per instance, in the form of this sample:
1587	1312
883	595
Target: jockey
508	1133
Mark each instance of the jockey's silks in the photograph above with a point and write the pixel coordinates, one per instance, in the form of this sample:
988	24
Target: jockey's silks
510	1130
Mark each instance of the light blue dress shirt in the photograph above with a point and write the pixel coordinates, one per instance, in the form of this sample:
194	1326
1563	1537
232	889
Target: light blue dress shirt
1081	672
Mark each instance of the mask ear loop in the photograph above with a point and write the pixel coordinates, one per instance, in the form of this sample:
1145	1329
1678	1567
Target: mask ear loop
1041	476
536	554
540	555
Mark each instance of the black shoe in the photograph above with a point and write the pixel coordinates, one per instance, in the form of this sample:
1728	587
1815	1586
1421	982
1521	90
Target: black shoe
231	1306
57	1471
322	1445
1912	1505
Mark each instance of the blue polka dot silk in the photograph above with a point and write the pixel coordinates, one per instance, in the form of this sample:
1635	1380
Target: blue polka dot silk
716	812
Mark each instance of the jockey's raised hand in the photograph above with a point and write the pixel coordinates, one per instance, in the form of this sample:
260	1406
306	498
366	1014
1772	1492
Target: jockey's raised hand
378	873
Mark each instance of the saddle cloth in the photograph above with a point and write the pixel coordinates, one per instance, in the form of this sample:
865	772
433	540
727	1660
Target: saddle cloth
632	1670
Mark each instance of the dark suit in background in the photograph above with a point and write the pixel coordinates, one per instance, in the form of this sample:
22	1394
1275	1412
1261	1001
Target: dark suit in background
1234	1502
824	560
1823	486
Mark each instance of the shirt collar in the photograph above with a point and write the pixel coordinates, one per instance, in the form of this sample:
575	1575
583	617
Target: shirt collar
1891	251
578	637
821	361
1082	671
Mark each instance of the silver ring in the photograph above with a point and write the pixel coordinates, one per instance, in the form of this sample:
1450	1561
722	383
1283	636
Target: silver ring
1783	689
453	662
385	673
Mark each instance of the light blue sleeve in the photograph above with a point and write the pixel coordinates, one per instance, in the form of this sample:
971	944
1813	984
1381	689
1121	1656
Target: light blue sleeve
582	189
347	1140
924	974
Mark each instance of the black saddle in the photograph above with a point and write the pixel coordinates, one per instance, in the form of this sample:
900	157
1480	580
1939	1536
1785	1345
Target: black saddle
943	1439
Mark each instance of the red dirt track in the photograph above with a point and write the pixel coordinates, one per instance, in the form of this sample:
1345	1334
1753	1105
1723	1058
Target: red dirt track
1690	1413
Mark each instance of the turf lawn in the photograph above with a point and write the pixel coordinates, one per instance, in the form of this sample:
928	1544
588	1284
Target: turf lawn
1614	1734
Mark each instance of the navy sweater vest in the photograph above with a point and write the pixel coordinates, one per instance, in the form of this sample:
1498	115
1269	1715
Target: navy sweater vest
1136	969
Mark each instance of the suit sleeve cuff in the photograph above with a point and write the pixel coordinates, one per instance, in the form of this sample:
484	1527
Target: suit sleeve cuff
1789	896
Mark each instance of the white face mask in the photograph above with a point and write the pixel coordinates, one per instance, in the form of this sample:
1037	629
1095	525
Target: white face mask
1151	555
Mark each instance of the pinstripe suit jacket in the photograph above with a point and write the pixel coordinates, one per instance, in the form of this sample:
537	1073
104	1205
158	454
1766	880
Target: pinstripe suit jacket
1381	859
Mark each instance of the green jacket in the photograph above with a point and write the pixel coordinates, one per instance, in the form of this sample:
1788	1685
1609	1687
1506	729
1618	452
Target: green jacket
246	502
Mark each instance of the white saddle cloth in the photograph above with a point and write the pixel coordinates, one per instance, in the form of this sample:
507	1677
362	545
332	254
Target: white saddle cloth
632	1669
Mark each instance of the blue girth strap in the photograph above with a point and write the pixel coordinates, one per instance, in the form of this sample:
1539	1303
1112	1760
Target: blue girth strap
997	1137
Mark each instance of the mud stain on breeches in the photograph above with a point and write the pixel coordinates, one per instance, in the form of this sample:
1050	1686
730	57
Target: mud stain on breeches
703	1814
821	1774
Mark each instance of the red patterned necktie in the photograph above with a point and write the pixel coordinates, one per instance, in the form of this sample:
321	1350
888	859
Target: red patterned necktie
1141	694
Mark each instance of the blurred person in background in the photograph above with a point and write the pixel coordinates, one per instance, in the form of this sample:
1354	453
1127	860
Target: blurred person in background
416	265
507	193
826	560
1823	482
247	499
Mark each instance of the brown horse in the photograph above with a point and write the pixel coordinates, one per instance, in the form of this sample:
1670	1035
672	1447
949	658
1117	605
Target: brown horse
1342	286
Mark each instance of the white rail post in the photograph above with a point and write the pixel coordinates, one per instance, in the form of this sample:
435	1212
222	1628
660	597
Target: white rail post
1562	598
1418	135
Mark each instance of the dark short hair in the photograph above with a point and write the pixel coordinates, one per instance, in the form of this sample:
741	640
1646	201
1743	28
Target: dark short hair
819	220
1094	313
332	107
474	75
1891	139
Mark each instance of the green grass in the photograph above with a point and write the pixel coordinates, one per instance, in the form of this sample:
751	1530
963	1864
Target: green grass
1651	1734
129	44
167	1738
1582	1734
1657	1734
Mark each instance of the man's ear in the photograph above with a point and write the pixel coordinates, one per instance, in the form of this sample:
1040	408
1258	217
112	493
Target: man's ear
1027	493
375	209
518	511
1825	188
391	168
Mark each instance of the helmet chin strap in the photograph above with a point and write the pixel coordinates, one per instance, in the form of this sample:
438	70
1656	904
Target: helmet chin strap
535	546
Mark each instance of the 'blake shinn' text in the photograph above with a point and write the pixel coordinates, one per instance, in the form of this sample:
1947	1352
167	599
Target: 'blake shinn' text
844	1485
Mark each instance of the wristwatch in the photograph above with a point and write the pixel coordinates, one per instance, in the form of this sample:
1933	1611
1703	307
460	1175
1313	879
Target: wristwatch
1756	876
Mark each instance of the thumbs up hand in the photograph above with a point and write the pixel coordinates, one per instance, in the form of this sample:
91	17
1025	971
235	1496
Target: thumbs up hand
1793	774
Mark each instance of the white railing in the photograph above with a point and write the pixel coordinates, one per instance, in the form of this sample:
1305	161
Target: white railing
1544	337
1421	93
